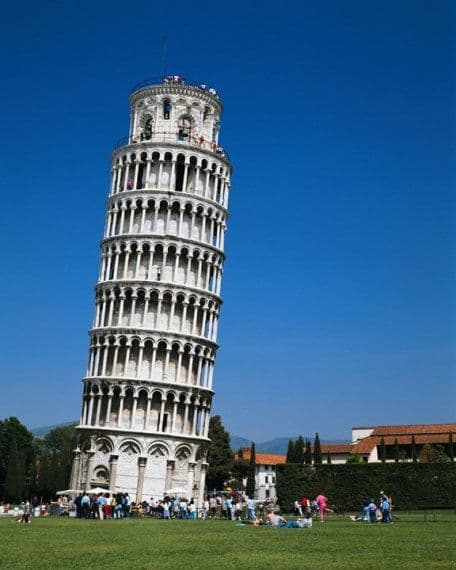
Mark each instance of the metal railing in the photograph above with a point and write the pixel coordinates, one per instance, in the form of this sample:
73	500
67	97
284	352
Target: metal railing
173	138
175	80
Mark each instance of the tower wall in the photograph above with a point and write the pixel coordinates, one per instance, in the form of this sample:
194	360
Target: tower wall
148	389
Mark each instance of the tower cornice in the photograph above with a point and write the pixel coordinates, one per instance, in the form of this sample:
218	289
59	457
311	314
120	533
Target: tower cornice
183	90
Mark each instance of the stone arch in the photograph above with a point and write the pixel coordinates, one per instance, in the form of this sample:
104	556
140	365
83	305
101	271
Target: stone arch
130	447
159	448
104	445
183	452
100	476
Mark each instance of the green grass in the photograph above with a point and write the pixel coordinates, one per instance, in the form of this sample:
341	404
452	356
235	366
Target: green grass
411	542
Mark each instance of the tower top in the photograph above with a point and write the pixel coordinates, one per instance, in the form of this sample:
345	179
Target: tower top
176	84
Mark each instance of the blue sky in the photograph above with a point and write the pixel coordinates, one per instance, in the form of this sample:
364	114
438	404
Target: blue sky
340	121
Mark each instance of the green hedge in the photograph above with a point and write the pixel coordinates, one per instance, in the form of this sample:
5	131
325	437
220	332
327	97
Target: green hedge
411	485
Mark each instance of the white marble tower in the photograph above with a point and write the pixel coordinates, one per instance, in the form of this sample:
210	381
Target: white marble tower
148	389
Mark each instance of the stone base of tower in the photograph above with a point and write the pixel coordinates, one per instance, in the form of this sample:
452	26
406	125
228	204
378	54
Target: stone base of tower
143	466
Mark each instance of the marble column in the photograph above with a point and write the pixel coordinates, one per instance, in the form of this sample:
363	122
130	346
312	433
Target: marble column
90	466
141	470
74	481
169	474
113	473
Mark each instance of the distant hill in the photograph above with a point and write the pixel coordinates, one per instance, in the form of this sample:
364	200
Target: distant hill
42	431
276	445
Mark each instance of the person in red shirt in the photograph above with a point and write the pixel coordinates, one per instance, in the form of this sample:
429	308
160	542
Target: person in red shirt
305	505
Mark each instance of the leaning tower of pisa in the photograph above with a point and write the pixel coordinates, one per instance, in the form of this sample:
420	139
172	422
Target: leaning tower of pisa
148	388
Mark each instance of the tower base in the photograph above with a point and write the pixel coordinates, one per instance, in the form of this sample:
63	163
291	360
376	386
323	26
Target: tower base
141	465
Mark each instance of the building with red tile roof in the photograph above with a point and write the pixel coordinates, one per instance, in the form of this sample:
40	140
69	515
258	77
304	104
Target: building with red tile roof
366	441
265	472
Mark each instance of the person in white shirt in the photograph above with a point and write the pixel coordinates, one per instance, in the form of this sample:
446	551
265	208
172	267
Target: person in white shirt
102	501
306	522
205	509
251	504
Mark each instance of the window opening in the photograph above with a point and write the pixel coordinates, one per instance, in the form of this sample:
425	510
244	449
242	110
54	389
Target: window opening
185	128
148	129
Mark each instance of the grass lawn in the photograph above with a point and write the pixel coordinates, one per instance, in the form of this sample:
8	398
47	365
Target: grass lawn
411	542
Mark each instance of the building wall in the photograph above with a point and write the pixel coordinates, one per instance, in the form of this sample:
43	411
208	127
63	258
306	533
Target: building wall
265	479
361	433
336	458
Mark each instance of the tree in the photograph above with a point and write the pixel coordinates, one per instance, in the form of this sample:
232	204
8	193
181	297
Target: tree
299	450
239	471
413	450
317	449
15	473
382	450
54	459
220	457
397	454
250	488
12	429
308	453
328	458
290	452
450	447
354	458
433	454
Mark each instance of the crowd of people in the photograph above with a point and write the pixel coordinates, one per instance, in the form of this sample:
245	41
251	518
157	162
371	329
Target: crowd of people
236	506
376	511
319	505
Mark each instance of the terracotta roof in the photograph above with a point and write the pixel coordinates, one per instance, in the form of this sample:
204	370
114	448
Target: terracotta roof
367	444
411	429
263	458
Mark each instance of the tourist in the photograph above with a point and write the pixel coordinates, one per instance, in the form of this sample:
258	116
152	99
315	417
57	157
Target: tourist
251	504
183	508
223	508
26	517
93	506
228	506
126	504
102	501
385	508
305	505
112	506
165	509
85	504
372	508
119	508
297	508
213	506
77	502
192	510
306	522
390	501
275	519
153	506
322	501
175	507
